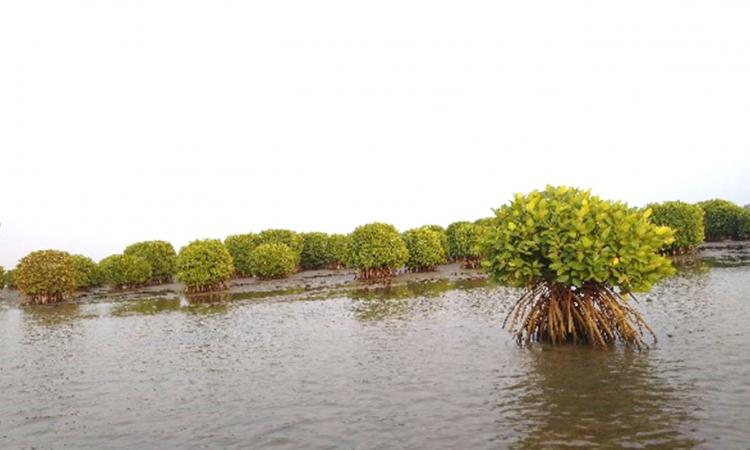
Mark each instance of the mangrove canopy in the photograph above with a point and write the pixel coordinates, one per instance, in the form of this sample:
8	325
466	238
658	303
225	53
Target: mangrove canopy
87	272
376	250
240	246
315	251
46	276
463	242
125	271
426	250
160	256
338	246
204	265
273	260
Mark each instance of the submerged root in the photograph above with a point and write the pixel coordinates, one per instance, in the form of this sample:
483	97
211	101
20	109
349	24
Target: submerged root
594	315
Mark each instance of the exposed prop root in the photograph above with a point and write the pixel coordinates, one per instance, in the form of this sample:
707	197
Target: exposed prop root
162	280
375	274
206	288
686	260
680	251
422	269
44	299
472	262
594	315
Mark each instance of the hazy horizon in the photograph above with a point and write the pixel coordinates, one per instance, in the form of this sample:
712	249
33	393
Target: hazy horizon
183	120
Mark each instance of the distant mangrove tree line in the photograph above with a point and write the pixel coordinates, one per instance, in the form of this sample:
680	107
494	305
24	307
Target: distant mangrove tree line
375	251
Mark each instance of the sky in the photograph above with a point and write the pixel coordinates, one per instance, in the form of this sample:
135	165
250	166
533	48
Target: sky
123	121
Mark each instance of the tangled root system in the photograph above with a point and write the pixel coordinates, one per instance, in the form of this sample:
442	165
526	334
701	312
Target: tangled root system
594	315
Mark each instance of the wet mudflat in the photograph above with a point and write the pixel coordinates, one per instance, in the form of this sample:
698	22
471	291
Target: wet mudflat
422	364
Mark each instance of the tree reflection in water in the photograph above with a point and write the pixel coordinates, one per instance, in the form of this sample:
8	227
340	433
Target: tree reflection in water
580	397
52	314
394	301
194	304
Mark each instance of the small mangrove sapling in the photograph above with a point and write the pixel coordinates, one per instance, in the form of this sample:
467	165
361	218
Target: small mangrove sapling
425	249
376	250
204	265
579	258
45	276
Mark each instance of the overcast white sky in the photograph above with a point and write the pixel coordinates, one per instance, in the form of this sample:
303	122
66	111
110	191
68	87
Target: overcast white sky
129	120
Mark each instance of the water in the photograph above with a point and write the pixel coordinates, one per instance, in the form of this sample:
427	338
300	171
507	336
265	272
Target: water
424	365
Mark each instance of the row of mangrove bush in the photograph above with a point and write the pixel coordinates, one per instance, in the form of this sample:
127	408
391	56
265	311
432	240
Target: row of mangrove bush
375	250
50	275
310	251
711	220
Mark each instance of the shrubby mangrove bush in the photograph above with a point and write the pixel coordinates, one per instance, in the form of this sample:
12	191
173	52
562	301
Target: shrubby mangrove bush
721	218
125	271
290	238
10	279
338	246
46	276
376	250
273	260
484	221
450	233
578	257
161	257
743	224
204	265
86	272
685	220
240	246
425	249
443	238
463	241
315	251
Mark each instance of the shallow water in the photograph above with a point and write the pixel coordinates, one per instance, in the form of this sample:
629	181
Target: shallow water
422	365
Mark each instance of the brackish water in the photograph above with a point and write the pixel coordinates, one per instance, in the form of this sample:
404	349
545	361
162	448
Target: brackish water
425	365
